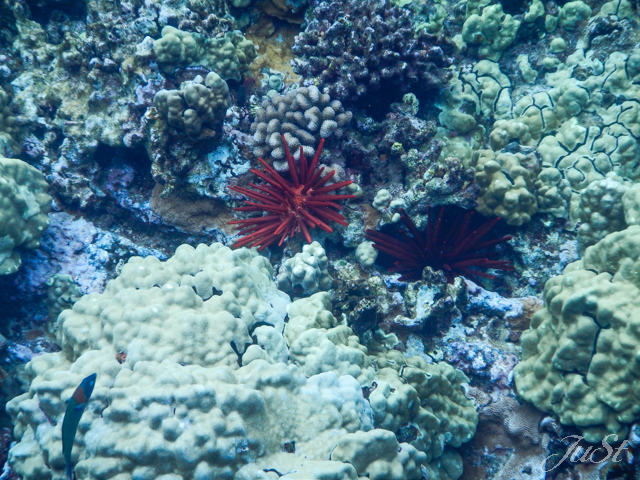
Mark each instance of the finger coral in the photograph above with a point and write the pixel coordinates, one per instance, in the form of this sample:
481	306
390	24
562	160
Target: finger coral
303	115
448	243
294	206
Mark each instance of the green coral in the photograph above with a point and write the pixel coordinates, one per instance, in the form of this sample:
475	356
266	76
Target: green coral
198	102
493	31
229	56
8	128
580	356
573	13
212	388
24	205
506	184
176	49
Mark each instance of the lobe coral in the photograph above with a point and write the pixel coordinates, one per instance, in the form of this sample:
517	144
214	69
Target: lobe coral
448	243
293	206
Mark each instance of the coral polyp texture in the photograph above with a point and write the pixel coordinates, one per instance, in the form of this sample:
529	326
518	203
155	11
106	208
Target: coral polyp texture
215	385
448	243
24	205
293	206
352	47
229	55
580	356
199	101
303	116
8	126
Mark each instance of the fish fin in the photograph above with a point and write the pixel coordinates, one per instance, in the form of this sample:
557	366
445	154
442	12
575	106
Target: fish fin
80	407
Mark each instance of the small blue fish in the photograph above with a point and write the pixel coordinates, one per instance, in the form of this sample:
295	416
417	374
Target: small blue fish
74	411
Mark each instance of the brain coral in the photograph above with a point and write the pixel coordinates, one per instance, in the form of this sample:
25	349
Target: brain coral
355	46
194	381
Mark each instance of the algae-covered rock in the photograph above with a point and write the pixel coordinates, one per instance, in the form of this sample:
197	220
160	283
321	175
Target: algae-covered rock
24	205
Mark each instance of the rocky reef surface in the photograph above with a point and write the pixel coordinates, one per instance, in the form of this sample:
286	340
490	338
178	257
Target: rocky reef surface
389	326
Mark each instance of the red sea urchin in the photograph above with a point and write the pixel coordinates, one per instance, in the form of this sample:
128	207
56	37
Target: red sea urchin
450	246
293	205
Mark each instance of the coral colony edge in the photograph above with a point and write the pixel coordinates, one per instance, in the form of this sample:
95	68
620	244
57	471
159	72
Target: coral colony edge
319	240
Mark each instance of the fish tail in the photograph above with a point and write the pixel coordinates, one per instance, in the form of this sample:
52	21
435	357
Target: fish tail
69	472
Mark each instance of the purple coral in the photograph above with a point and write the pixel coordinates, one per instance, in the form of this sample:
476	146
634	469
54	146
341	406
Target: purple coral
355	46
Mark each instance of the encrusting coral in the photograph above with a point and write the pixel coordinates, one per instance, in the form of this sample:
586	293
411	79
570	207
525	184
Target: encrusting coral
294	206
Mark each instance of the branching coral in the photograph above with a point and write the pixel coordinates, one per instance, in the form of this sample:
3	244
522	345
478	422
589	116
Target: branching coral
294	206
448	243
352	47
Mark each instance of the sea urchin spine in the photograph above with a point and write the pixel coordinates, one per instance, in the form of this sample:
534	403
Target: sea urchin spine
293	206
448	245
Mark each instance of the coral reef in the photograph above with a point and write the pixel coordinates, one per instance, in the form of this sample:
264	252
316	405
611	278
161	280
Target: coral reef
356	47
8	126
163	391
146	119
303	116
63	293
228	56
199	101
24	205
493	31
579	358
306	271
506	184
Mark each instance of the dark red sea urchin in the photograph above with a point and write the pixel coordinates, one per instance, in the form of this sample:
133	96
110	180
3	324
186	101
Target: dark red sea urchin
293	206
447	244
